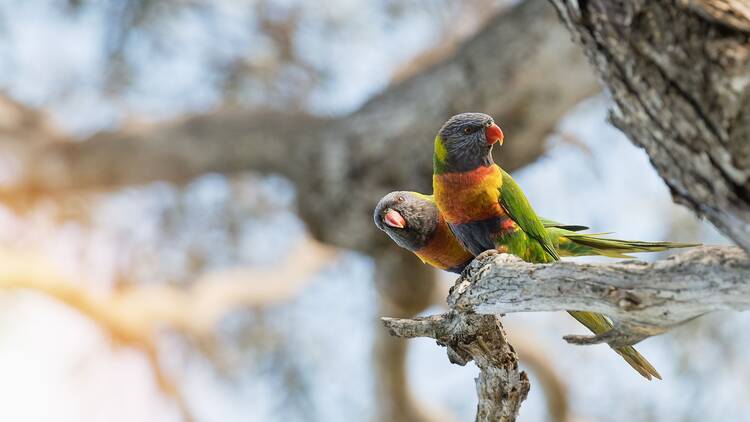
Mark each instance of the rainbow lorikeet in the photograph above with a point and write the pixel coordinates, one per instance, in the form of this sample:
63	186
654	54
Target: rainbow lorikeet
486	209
413	221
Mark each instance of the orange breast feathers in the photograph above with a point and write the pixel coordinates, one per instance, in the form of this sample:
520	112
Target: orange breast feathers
443	251
469	196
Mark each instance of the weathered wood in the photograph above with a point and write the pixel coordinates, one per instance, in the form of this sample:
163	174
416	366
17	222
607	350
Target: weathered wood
643	299
501	387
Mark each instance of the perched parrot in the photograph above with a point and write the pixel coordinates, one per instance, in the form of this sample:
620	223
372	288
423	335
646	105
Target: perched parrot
413	221
486	209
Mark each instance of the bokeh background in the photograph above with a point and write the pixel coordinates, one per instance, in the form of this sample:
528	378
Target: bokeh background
209	299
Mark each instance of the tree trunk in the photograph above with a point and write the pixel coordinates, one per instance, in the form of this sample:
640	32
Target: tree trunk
679	74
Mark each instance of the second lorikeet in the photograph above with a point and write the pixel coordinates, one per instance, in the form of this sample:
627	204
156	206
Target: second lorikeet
486	209
413	221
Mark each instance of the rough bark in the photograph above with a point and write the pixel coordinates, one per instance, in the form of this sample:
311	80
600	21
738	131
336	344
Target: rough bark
679	74
501	387
644	299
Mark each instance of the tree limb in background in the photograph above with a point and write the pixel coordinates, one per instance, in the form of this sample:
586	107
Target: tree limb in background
501	387
679	74
534	357
406	288
643	299
522	68
342	166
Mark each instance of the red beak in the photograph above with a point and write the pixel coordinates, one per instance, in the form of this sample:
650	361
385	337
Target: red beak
493	134
394	219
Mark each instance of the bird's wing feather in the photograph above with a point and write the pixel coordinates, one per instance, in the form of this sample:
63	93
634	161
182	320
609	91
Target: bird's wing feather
547	223
514	201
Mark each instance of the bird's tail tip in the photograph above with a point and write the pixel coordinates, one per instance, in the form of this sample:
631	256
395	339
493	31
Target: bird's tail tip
639	363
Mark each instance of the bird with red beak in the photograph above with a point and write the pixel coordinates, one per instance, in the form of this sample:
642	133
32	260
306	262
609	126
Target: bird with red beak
486	209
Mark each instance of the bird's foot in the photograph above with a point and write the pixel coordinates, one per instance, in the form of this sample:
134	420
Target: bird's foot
620	336
488	253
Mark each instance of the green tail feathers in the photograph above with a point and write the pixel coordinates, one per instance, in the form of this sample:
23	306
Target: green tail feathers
570	243
577	244
599	324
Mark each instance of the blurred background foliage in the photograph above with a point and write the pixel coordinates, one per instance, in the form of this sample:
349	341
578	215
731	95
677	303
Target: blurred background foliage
136	334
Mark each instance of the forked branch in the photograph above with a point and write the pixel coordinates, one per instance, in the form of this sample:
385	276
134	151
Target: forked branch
501	387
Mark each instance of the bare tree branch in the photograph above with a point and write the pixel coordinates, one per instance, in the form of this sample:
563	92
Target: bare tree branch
405	290
679	74
501	387
644	299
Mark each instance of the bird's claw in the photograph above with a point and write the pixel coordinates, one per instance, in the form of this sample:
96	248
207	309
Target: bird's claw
615	337
488	253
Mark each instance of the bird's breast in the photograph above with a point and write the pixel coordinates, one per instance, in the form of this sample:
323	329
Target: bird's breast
443	250
469	196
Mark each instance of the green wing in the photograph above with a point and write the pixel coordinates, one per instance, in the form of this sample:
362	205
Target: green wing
519	210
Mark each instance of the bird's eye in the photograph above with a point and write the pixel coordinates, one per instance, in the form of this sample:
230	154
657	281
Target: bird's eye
400	199
467	130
